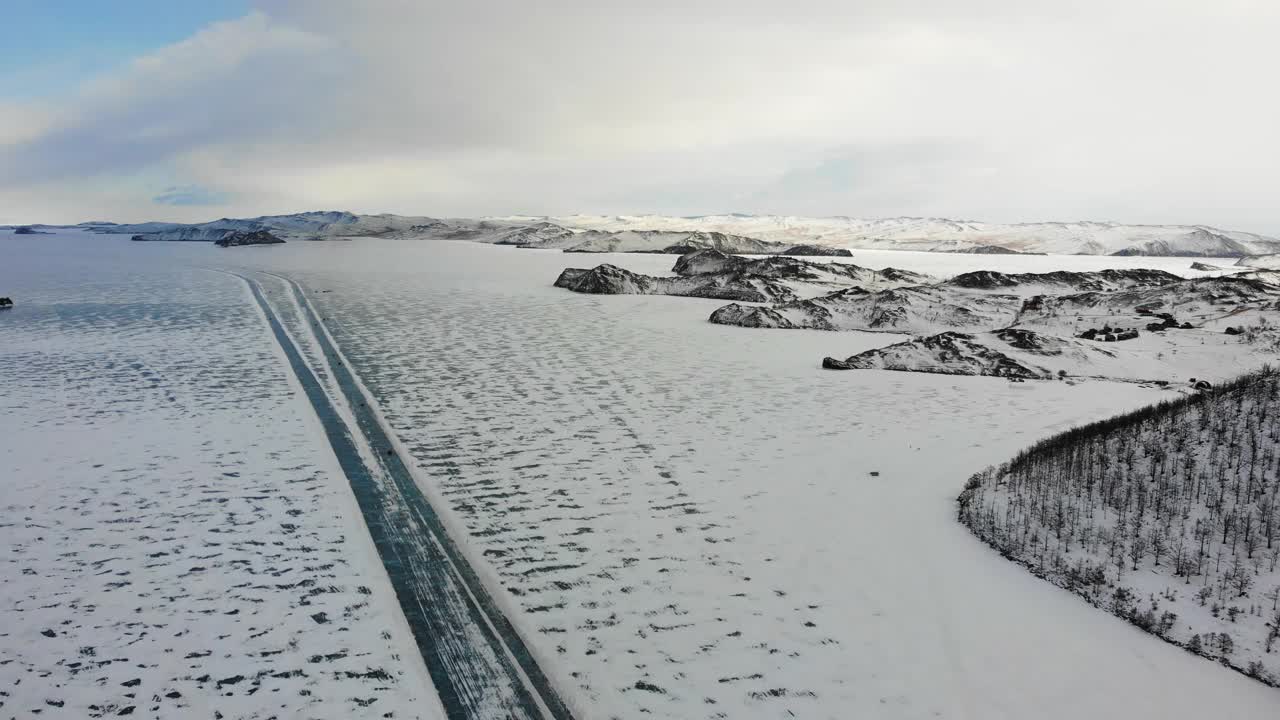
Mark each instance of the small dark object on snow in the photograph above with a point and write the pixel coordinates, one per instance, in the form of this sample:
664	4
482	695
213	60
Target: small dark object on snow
1234	331
5	303
1201	385
875	473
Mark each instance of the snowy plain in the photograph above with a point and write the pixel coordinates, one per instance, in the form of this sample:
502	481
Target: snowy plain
180	541
682	516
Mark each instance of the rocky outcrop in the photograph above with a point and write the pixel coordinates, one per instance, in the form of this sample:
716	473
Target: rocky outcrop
654	241
789	268
989	250
1064	280
912	309
1197	298
949	353
239	238
817	251
714	274
1263	262
534	236
1048	303
751	316
28	230
613	280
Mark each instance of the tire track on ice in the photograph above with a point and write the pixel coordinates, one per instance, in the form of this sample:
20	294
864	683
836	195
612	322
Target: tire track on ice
478	663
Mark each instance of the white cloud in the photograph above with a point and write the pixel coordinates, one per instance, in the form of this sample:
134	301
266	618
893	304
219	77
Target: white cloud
1132	110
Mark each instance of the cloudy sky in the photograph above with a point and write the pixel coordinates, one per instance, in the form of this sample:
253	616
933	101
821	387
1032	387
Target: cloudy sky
1132	110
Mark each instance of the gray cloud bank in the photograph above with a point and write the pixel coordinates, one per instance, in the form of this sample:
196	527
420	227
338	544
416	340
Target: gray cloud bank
1137	111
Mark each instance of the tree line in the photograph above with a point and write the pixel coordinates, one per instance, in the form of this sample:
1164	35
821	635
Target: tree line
1168	516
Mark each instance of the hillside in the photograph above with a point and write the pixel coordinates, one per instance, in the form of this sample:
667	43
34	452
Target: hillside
308	225
709	273
1262	262
1139	325
944	235
1168	517
744	234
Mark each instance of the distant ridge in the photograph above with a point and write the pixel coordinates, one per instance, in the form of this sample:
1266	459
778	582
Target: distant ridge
741	233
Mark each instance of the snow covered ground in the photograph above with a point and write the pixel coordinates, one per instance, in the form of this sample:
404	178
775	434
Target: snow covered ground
180	541
686	520
684	514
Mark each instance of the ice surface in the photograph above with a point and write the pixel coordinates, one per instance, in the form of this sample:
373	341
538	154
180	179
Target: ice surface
682	516
177	540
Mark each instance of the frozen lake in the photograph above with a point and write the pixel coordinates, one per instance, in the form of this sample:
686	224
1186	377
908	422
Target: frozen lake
680	518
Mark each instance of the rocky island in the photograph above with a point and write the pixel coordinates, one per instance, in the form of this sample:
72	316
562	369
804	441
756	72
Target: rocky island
238	238
713	274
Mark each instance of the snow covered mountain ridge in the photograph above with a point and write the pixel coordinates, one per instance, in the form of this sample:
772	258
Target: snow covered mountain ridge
945	235
645	233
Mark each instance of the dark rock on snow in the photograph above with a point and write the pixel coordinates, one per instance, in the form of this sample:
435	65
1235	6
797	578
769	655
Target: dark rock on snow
817	251
237	238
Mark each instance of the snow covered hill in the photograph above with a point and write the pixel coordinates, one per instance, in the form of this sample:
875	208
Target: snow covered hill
1011	353
1168	517
533	234
713	274
1264	262
943	235
306	225
1145	325
744	234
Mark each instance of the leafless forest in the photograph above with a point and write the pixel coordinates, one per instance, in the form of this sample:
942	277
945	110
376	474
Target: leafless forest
1168	517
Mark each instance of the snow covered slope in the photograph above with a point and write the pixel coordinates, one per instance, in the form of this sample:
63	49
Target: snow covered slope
940	234
744	234
1168	517
712	274
321	224
1266	262
1126	324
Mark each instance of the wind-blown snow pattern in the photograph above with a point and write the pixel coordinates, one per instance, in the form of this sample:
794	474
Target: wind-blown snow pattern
480	668
178	544
689	520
